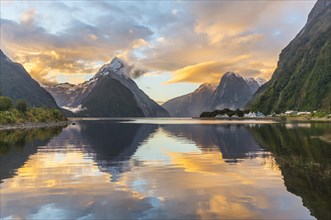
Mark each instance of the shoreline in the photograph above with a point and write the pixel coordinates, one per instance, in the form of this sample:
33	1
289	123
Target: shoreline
277	119
31	125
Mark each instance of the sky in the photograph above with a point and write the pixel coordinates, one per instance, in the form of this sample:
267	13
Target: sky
174	45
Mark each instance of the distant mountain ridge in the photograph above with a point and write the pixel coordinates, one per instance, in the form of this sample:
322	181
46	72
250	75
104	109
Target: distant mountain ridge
110	93
302	79
233	92
191	104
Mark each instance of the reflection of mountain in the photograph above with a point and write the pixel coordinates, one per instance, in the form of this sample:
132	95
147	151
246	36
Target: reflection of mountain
16	147
234	141
110	153
305	162
109	143
124	141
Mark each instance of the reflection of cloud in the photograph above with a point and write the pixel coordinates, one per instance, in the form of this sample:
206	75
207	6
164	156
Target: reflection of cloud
198	162
297	125
66	182
53	182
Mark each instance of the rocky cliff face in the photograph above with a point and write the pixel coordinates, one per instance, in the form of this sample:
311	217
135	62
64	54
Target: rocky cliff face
191	104
302	79
232	92
16	83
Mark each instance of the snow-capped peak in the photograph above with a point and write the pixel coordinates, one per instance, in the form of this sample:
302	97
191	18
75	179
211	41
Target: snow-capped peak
116	66
227	74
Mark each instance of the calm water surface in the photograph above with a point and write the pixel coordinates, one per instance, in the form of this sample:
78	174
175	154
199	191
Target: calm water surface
167	169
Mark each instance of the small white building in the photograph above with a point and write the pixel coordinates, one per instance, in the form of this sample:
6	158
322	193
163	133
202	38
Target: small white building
222	116
250	115
291	112
304	113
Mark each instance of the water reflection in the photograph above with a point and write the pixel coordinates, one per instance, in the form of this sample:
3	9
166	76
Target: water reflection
16	147
105	169
234	141
303	153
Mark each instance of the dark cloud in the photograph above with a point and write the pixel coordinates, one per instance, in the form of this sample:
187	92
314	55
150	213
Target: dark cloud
136	73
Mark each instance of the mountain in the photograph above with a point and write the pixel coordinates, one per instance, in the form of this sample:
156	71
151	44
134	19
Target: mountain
254	84
232	92
302	79
110	93
16	83
191	104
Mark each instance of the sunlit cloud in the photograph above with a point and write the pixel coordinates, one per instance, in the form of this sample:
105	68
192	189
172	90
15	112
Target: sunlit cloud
212	71
196	41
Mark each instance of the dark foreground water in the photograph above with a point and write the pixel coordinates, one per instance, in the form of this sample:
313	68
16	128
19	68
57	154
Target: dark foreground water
167	169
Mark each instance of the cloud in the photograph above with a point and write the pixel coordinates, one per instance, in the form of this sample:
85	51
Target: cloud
132	71
206	41
195	41
136	73
28	16
78	48
214	70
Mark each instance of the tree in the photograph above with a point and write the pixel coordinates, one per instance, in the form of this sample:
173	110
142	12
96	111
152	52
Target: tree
21	105
5	103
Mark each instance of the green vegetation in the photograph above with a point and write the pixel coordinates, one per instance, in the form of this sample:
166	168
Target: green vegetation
21	105
302	79
321	114
5	103
10	139
226	111
23	114
318	116
303	153
16	146
18	84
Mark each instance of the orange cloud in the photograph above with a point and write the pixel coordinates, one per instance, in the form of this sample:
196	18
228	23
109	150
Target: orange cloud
196	41
213	70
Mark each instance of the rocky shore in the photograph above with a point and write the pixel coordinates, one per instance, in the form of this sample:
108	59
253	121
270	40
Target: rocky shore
31	125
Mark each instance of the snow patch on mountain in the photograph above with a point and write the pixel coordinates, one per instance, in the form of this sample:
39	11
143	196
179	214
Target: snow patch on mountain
227	74
73	97
119	67
260	81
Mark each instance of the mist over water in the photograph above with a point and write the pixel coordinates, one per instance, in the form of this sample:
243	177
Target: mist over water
164	169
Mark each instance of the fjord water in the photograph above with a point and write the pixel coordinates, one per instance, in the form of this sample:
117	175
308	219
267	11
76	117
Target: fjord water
167	169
